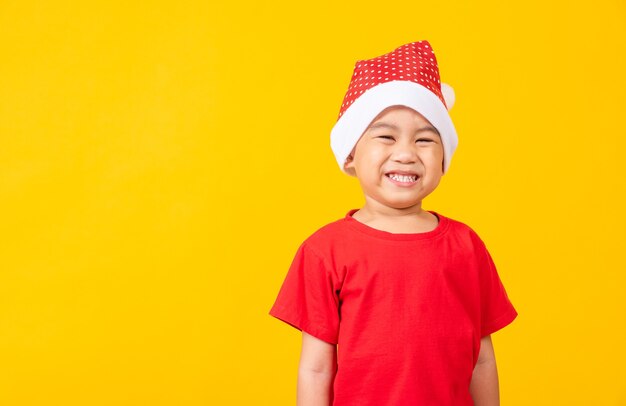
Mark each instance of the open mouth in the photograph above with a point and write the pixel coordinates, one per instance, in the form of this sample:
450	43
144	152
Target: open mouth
401	177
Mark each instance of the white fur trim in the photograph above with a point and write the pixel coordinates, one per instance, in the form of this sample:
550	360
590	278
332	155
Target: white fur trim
355	120
448	95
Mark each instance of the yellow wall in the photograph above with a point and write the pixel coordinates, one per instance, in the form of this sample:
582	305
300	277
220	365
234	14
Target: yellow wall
160	164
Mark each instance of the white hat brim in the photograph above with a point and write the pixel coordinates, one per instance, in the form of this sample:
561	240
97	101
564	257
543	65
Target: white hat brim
355	120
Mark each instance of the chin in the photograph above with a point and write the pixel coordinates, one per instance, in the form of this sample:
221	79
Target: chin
400	205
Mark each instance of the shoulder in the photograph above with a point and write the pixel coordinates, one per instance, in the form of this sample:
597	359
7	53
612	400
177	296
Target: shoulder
460	230
330	233
464	242
327	248
331	239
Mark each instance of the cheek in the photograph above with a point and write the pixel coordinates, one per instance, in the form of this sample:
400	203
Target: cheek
368	157
435	154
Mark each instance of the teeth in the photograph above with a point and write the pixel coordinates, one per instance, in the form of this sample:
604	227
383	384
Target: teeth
402	178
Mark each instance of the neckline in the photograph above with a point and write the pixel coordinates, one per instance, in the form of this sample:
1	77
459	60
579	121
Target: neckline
442	226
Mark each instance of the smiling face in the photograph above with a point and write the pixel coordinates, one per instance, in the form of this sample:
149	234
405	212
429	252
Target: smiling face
398	160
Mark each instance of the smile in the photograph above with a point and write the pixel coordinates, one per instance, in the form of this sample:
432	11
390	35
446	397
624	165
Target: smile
402	178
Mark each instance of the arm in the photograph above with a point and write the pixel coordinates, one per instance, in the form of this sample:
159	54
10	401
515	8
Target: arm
316	372
484	385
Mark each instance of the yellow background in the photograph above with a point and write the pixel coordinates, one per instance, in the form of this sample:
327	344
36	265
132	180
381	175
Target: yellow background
161	162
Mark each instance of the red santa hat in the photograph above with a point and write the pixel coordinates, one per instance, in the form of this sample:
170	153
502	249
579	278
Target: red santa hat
409	77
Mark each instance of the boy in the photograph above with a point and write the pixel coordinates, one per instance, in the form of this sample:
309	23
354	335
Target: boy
396	304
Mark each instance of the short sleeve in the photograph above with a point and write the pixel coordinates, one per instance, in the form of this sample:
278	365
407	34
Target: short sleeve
496	309
308	298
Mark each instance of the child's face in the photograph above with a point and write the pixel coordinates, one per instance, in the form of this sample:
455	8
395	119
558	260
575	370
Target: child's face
398	159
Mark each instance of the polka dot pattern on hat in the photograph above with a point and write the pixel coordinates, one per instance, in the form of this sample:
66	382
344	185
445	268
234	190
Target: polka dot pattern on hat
415	62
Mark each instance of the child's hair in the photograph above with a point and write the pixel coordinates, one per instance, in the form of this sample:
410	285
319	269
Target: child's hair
408	76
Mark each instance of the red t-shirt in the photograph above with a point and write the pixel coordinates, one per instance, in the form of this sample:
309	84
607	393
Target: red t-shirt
407	311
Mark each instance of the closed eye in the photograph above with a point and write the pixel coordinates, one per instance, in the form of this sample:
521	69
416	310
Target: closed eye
386	137
424	140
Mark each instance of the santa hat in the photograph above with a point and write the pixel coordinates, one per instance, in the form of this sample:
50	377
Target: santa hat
409	77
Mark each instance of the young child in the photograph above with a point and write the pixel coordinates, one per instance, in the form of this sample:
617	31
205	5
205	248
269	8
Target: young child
396	304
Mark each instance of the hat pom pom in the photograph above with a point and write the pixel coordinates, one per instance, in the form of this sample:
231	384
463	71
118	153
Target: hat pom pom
448	95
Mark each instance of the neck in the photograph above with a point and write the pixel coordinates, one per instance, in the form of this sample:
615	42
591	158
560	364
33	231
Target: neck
375	209
411	219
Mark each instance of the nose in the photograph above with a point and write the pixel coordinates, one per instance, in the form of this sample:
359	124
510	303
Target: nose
404	152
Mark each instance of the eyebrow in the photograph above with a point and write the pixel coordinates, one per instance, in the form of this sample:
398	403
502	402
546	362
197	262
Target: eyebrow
382	124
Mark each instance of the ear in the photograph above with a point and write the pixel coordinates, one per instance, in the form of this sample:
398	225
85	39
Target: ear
348	165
